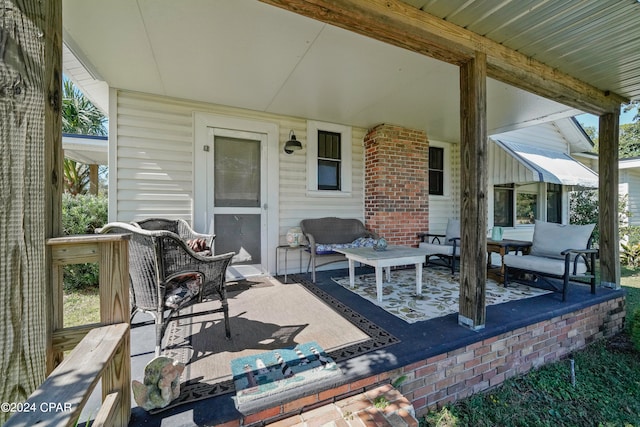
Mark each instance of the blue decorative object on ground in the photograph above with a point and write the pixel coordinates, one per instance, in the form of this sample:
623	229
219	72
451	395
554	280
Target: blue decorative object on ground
277	374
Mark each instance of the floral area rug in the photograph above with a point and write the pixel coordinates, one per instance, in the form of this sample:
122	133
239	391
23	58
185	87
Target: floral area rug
440	293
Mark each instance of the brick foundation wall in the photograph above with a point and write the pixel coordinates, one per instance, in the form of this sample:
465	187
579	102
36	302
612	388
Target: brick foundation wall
396	194
448	377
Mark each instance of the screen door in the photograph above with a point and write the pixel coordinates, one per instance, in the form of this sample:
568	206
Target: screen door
238	187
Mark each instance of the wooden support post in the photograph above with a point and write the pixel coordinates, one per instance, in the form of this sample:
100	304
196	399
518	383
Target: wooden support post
608	137
473	186
30	123
93	179
114	308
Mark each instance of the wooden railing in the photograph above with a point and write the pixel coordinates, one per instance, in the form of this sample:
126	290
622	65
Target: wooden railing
99	351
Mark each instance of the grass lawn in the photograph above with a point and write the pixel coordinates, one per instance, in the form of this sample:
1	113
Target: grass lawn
81	307
606	391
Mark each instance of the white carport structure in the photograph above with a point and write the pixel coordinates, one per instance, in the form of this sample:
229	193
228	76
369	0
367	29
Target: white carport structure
87	149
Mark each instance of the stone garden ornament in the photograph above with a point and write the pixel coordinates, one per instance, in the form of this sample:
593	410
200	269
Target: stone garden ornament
161	383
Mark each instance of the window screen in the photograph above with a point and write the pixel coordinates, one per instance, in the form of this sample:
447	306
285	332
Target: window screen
329	160
503	206
554	203
436	171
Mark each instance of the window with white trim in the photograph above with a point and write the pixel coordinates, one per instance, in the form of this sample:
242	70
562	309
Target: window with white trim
329	160
436	171
515	205
439	169
328	157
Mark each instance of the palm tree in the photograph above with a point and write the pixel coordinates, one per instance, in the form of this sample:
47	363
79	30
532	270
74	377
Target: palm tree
79	116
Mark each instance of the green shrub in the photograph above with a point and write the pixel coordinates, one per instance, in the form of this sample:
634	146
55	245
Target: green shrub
82	214
635	330
630	255
583	209
632	232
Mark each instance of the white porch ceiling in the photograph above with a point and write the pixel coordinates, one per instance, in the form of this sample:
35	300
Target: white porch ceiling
247	54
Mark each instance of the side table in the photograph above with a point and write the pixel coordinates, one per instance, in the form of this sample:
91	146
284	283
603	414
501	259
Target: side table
286	249
502	247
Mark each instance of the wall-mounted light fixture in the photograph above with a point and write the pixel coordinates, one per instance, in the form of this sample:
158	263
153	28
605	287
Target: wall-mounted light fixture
292	144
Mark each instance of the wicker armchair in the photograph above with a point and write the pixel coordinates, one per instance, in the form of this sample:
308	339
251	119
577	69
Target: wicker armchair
178	226
167	276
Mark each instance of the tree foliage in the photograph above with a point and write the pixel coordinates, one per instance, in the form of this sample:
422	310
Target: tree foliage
583	209
629	135
82	214
79	116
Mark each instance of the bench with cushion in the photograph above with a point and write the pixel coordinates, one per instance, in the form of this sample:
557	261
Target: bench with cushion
443	246
558	251
326	234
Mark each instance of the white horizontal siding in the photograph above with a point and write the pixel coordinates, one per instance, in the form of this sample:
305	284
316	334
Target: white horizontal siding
154	158
504	169
544	135
153	171
633	188
441	208
297	203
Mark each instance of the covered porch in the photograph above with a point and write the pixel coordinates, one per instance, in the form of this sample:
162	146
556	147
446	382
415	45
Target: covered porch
32	120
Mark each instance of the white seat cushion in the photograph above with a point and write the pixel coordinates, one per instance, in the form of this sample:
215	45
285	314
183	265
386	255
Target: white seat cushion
452	232
435	249
541	264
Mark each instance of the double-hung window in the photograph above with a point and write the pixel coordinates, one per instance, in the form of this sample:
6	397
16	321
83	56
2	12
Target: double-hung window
329	158
436	171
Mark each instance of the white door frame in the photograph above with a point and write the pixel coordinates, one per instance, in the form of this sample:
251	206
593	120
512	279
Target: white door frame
203	161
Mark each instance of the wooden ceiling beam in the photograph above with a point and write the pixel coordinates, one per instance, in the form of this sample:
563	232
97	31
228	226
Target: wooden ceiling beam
400	24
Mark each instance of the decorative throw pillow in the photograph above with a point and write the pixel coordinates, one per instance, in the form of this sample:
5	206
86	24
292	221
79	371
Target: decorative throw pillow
328	248
182	290
363	242
197	245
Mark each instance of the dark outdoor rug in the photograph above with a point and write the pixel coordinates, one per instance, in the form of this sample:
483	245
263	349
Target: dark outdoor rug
264	315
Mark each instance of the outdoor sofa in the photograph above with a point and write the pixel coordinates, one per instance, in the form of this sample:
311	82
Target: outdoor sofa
557	252
329	233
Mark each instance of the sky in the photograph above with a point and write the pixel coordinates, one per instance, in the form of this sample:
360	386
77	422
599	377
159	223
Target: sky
591	120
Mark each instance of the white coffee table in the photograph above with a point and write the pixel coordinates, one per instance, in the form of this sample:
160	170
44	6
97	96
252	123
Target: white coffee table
380	260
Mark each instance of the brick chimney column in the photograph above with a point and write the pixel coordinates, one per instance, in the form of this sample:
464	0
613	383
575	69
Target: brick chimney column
396	191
